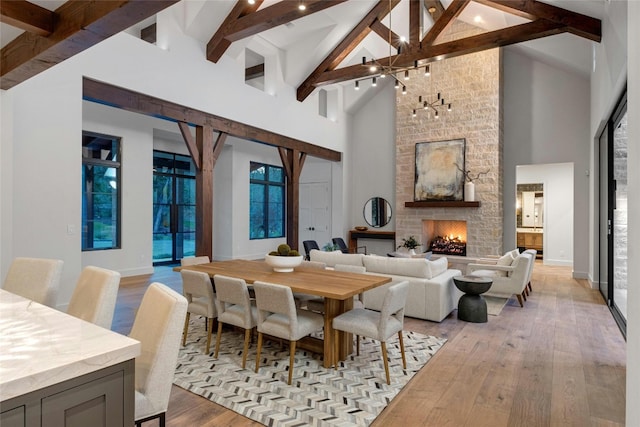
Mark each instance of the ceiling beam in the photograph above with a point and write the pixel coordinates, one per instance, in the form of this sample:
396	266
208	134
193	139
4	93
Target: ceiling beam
79	25
27	16
415	10
346	46
218	45
451	13
435	9
576	23
128	100
387	35
499	38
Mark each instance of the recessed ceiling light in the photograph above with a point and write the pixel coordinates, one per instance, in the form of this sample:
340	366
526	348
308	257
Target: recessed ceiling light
302	6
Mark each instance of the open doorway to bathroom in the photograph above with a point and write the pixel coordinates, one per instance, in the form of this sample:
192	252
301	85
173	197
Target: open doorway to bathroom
613	213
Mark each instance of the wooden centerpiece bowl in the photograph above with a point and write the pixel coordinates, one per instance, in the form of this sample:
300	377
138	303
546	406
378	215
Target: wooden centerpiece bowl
283	264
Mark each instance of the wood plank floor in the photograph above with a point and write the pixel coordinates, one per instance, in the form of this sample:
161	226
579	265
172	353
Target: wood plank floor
559	361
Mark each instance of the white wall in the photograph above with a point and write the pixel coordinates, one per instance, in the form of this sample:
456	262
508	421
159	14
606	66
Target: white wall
633	295
557	180
6	182
546	120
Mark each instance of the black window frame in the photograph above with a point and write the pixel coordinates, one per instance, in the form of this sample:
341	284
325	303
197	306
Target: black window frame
267	183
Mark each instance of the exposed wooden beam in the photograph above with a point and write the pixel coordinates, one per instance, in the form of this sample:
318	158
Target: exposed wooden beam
504	37
217	149
217	45
435	9
576	23
129	100
415	10
346	46
273	16
254	72
204	192
191	144
387	35
149	34
27	16
452	12
292	162
79	25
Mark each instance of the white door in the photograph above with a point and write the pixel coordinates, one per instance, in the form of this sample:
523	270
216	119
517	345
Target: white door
315	214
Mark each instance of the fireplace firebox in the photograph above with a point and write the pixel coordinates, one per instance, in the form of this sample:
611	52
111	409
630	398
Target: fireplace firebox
445	237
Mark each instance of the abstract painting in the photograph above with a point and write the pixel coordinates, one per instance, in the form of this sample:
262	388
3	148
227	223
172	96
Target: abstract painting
439	167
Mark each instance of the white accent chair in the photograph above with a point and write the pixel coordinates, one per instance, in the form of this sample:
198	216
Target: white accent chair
279	317
507	279
234	308
534	254
198	290
195	260
94	297
380	325
158	325
36	279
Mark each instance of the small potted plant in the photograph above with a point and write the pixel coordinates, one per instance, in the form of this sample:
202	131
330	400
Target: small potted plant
410	243
284	259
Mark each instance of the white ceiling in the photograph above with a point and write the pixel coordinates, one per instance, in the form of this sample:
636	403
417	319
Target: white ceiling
305	42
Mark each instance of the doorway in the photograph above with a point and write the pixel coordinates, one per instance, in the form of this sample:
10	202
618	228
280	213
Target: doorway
315	213
174	207
613	213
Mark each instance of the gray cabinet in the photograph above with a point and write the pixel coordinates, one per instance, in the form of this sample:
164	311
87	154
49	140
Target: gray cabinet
104	398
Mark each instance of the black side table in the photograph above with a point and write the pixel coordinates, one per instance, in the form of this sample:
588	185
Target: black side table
472	307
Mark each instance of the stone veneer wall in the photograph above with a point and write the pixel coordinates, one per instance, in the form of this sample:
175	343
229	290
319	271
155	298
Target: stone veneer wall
472	83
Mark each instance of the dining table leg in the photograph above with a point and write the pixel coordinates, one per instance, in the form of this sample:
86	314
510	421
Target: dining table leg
333	308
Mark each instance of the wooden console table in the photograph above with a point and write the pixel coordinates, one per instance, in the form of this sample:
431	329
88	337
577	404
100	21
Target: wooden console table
354	235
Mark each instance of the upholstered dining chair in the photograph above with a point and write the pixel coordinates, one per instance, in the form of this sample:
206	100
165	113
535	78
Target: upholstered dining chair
234	308
279	317
157	326
302	300
380	325
94	297
36	279
195	260
308	245
198	290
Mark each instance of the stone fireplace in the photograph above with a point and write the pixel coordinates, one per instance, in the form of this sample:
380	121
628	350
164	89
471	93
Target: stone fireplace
445	237
472	83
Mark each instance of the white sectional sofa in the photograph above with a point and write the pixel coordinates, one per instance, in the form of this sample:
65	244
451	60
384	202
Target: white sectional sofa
432	293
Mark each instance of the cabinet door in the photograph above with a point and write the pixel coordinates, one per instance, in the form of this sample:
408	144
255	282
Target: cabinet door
15	417
96	404
521	239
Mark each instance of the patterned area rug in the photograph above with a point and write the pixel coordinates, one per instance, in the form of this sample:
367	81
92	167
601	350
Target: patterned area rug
352	396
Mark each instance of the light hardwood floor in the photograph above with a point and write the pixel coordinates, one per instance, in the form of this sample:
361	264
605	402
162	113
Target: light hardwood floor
559	361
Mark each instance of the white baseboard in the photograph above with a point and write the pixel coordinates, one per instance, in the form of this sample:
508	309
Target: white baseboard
558	262
139	271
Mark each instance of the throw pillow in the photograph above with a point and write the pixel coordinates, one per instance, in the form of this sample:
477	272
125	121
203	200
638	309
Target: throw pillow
438	266
504	260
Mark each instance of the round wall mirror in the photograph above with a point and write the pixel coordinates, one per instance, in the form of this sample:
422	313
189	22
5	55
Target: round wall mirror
377	212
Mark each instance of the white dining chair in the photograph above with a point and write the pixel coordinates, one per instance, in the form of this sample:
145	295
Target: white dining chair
158	325
198	290
36	279
94	297
195	260
279	317
234	308
378	325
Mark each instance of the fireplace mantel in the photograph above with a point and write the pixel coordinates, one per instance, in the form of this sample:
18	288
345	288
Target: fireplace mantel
443	204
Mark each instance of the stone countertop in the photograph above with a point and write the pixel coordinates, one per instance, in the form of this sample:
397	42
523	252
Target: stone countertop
40	346
530	230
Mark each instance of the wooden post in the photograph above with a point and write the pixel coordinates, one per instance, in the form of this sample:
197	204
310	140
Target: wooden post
204	192
292	161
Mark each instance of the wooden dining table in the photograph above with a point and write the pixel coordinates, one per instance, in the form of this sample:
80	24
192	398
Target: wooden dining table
336	287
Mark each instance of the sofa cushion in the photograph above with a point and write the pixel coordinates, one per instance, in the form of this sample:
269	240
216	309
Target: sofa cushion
437	267
514	253
335	257
411	267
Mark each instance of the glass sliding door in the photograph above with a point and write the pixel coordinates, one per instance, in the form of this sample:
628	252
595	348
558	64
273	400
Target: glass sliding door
613	213
174	207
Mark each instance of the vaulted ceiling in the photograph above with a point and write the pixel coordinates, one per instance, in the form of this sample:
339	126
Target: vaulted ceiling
40	34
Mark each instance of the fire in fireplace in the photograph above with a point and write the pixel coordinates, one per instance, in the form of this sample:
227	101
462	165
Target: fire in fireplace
445	237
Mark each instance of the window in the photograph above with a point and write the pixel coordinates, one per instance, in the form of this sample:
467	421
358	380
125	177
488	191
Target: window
266	201
101	162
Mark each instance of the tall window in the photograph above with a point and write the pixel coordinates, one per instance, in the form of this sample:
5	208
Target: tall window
266	201
101	187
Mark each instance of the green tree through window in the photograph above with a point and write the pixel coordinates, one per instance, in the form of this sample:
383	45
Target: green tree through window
101	188
266	201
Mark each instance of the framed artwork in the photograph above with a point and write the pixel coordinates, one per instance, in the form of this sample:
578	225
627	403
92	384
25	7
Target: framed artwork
439	167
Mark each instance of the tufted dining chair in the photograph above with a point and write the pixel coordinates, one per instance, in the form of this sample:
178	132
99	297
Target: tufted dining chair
36	279
157	326
94	297
279	317
234	308
198	290
379	325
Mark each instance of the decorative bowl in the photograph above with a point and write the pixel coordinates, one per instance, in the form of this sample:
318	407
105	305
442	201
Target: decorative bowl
283	264
361	228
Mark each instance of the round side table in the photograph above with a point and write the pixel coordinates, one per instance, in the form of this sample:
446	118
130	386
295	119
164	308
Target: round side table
472	307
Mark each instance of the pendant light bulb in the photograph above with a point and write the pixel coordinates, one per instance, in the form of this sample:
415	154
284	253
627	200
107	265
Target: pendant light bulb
404	90
449	107
406	74
374	82
357	85
427	71
397	85
414	113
